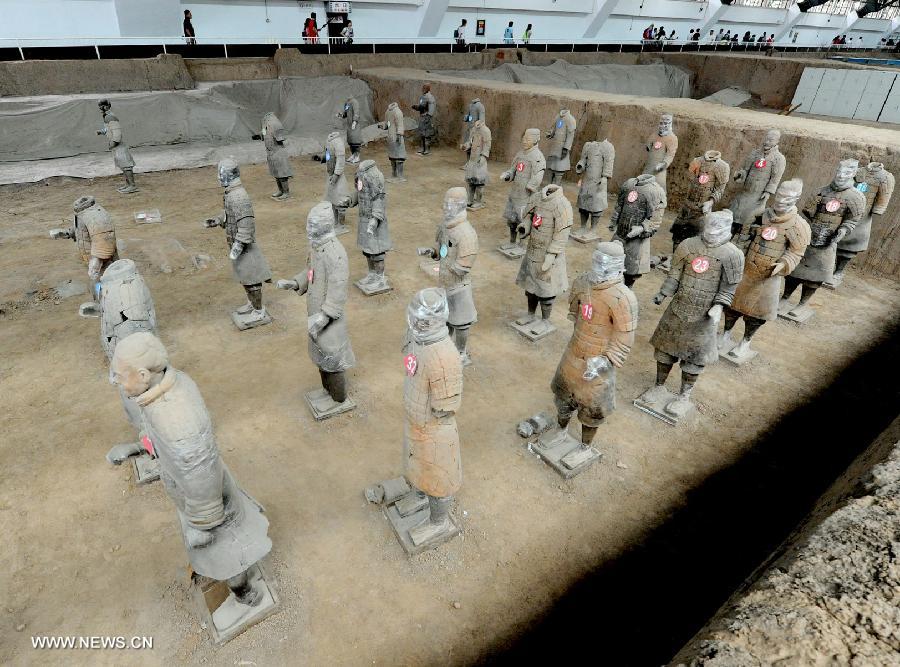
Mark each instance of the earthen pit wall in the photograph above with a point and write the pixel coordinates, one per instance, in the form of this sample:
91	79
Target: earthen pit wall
812	148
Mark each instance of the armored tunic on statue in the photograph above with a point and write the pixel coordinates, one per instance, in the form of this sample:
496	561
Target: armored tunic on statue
277	156
479	151
641	203
324	281
549	218
122	157
126	305
396	145
762	174
206	496
560	137
709	176
595	166
527	173
781	238
433	382
370	196
95	235
337	192
877	187
660	149
457	244
605	317
427	108
701	277
250	268
350	114
473	114
827	211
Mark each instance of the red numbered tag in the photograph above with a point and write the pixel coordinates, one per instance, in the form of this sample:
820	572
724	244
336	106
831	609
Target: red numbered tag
309	276
410	363
145	441
769	233
657	145
760	163
359	186
632	196
520	167
537	221
832	205
704	179
700	264
587	311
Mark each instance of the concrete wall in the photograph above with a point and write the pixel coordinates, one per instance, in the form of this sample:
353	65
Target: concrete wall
231	69
812	148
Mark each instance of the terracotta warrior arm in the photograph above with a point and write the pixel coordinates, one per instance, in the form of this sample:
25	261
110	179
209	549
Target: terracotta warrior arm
671	149
486	145
378	207
199	481
445	388
537	175
883	198
302	279
673	280
778	165
569	138
582	161
246	230
624	314
722	175
798	238
732	272
560	240
609	160
336	287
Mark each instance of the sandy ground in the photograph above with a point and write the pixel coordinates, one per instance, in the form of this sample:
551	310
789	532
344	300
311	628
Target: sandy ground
86	552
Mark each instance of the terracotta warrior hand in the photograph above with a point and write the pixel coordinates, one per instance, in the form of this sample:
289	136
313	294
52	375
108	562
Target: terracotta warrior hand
209	223
425	252
634	232
778	268
660	166
236	249
715	312
548	263
707	206
659	298
287	284
370	226
506	176
593	366
315	323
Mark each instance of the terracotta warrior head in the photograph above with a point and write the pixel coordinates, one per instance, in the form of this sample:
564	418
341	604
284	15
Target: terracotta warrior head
426	88
392	106
138	363
320	224
478	124
427	315
711	156
607	262
530	138
104	106
843	175
717	227
229	172
771	141
665	125
333	135
455	204
787	195
83	203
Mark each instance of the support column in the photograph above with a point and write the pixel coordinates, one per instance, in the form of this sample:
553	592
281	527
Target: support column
598	18
791	19
432	17
712	19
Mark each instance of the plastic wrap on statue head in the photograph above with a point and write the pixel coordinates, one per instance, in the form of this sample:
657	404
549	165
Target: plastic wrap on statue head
427	315
843	175
229	172
771	140
479	123
665	125
644	179
563	113
392	106
333	135
531	137
121	269
454	204
875	167
717	227
135	359
268	117
711	156
787	195
607	262
320	224
83	203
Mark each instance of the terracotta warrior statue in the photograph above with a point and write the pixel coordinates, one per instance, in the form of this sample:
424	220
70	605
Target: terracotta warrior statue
336	189
661	149
427	107
708	178
605	313
373	236
542	273
432	394
877	185
776	248
474	113
224	529
95	236
758	178
324	281
833	213
274	137
526	174
559	145
122	158
456	248
350	114
478	149
396	140
247	261
636	218
595	168
705	273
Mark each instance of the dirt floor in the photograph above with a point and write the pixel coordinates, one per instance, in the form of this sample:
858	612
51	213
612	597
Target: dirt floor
86	552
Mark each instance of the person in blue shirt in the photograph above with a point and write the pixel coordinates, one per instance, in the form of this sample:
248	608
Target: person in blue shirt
508	34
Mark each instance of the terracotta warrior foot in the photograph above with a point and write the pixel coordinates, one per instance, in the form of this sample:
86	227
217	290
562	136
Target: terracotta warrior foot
682	403
725	341
243	310
541	326
89	309
528	318
654	394
436	525
245	595
740	349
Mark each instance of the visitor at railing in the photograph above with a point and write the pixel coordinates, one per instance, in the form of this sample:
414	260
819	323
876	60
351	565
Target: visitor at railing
190	37
347	33
508	34
526	36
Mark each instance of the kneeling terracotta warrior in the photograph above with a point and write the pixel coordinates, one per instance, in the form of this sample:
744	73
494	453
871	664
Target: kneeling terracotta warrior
247	261
274	137
224	530
705	273
605	313
373	236
478	148
336	189
526	174
708	178
121	153
635	220
432	394
394	124
324	281
596	168
457	248
833	213
776	247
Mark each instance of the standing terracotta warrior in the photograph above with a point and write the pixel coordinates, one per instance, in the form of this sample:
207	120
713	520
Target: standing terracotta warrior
605	313
635	220
426	107
456	250
274	137
474	113
526	174
709	176
776	247
224	530
661	149
121	153
247	261
95	235
324	281
336	189
396	140
478	148
542	273
373	236
877	185
350	114
705	273
432	394
596	167
560	136
758	176
833	213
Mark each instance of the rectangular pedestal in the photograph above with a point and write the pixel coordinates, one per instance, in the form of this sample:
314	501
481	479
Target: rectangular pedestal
525	330
146	469
796	315
511	251
739	359
372	291
430	266
209	594
243	322
402	525
565	454
584	237
322	406
657	408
